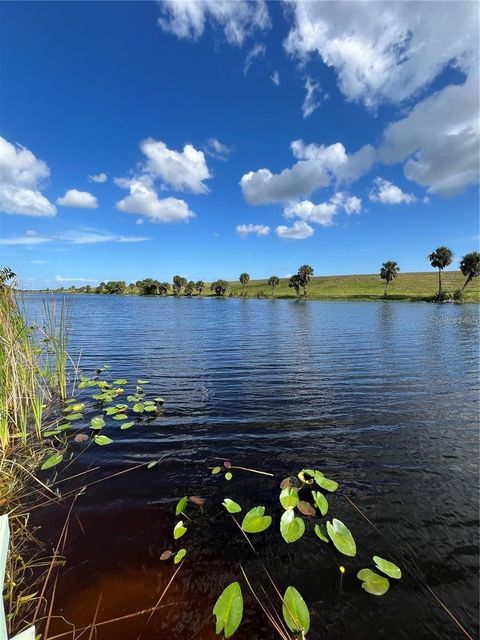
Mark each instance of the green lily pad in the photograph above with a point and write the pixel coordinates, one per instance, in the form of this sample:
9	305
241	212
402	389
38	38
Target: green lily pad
228	475
181	504
341	537
292	528
138	407
53	460
97	423
127	425
295	612
228	610
325	483
179	530
120	381
74	416
321	532
179	556
120	416
387	567
321	502
231	506
289	498
255	521
373	583
110	411
102	440
216	470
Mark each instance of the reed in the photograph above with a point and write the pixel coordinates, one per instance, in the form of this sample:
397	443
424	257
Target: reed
33	369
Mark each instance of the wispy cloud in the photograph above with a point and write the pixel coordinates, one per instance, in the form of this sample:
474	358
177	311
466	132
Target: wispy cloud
74	236
217	149
257	51
275	78
65	279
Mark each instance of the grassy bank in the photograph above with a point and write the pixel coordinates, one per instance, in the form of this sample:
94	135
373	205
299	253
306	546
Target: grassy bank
406	286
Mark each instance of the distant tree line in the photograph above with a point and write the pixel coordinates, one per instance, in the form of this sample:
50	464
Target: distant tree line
441	258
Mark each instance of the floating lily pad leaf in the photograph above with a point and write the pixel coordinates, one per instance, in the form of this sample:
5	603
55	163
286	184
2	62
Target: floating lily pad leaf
292	528
387	567
228	610
62	427
216	470
81	437
120	381
132	398
198	500
181	504
373	583
143	381
231	506
53	460
303	476
321	502
325	483
150	465
110	411
321	532
49	434
291	481
179	530
127	425
139	407
255	521
148	403
179	556
77	407
305	508
74	416
295	612
102	440
121	407
70	400
166	555
289	498
150	408
120	416
159	400
341	537
97	423
227	464
228	476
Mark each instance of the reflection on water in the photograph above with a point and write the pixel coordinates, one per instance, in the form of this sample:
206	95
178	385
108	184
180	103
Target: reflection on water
383	396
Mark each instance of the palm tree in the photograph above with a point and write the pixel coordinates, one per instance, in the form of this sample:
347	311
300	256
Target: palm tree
388	272
179	284
439	259
219	286
305	274
200	286
244	280
273	282
295	282
470	266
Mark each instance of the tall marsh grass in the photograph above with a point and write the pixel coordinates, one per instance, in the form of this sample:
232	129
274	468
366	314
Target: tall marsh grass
33	369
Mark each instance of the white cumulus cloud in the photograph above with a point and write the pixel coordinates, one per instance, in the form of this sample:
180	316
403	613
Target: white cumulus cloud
98	177
316	167
238	20
388	193
298	231
78	200
144	200
324	212
385	51
181	170
259	230
22	177
438	140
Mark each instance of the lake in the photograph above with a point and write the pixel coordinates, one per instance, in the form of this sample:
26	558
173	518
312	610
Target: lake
383	397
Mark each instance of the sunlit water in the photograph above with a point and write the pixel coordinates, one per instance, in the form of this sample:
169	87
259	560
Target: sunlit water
382	397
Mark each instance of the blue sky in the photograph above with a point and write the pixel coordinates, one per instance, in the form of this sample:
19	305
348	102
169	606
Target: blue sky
235	137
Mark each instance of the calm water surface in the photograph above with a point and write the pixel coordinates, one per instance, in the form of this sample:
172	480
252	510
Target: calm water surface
381	396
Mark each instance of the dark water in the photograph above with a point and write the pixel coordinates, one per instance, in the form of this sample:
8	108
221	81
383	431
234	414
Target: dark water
383	397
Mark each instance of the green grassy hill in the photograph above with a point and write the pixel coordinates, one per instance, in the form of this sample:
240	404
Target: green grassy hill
407	286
